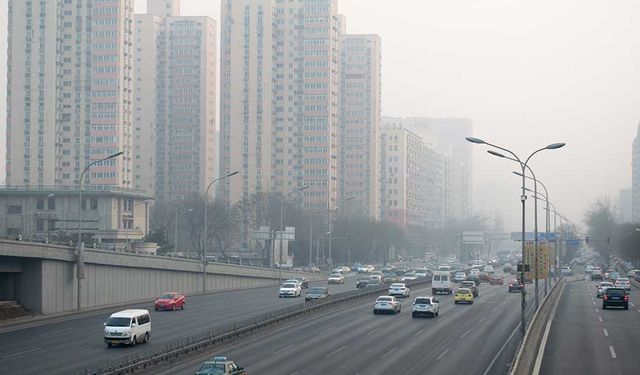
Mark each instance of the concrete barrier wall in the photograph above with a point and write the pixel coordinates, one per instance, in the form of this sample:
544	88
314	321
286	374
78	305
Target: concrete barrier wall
528	351
47	283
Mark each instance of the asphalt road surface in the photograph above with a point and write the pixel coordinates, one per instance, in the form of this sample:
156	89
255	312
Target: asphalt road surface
584	339
464	339
70	344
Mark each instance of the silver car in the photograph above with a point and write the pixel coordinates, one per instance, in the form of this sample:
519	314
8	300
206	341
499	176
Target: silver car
427	306
388	304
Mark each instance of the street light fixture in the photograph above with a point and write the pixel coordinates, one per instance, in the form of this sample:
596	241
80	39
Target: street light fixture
79	271
204	248
523	197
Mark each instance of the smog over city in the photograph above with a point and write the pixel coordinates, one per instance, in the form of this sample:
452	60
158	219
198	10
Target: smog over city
262	180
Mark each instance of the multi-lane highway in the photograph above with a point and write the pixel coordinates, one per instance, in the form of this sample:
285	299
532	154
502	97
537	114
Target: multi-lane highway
67	345
464	339
584	339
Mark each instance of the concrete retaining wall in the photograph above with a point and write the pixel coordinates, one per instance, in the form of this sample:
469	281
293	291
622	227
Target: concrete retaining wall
528	352
47	283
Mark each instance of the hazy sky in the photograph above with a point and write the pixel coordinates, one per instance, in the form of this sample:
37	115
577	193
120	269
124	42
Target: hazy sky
528	73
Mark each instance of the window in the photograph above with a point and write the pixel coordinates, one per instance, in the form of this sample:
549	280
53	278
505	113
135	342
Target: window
51	203
40	204
40	225
14	210
93	203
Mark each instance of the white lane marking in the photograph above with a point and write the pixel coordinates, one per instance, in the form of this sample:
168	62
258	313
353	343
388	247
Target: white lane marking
594	303
606	333
419	332
389	352
294	373
464	334
597	309
372	332
283	349
600	319
638	310
545	337
327	330
613	352
632	305
54	332
335	351
20	353
443	353
481	319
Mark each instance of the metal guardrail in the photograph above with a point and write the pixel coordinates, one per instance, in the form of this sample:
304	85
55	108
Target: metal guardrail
180	347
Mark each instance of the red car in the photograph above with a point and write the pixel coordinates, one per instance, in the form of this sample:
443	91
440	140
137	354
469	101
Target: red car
496	280
170	301
483	276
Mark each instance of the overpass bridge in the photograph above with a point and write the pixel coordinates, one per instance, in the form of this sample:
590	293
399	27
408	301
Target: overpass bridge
43	277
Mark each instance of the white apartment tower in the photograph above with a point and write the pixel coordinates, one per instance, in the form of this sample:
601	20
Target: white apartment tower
69	92
176	62
303	101
246	97
360	98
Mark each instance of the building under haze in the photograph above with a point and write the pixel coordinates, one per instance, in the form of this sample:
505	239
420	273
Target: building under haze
625	205
360	98
176	87
288	52
69	92
448	135
635	179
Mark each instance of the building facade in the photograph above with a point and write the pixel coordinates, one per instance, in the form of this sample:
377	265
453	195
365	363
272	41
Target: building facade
360	99
69	92
246	97
176	102
625	205
53	214
303	99
448	137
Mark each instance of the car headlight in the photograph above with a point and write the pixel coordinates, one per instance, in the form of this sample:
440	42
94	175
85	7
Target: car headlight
106	332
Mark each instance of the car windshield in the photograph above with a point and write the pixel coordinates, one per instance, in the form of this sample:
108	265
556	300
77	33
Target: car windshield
212	369
605	285
335	275
119	322
409	274
468	284
364	278
397	285
463	291
316	291
167	296
621	280
384	299
288	285
423	301
373	282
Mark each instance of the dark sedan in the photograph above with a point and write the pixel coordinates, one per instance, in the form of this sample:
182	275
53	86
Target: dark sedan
317	293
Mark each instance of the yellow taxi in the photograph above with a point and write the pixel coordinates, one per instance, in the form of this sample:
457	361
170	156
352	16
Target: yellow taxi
463	295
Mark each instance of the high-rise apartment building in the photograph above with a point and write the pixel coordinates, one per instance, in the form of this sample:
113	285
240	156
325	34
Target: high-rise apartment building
625	205
176	64
69	92
246	96
635	179
360	99
304	96
448	135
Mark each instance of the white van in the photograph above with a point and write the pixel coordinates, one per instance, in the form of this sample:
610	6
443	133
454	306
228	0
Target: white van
444	268
127	327
441	282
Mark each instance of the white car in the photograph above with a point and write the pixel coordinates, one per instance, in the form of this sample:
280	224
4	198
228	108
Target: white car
488	269
290	290
370	268
387	304
421	274
602	287
632	273
336	278
409	276
345	269
566	271
459	277
398	289
623	282
474	271
428	306
294	281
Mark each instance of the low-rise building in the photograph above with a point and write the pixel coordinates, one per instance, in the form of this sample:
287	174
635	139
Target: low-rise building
110	217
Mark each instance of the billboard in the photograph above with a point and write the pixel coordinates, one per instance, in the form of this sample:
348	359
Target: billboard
530	259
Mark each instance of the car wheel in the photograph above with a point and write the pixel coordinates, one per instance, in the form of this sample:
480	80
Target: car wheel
156	309
455	302
134	341
146	337
413	315
109	345
438	312
626	307
604	307
182	307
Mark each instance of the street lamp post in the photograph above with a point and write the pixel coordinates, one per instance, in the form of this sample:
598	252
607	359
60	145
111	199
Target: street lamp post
204	248
297	190
523	197
79	276
175	238
546	198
